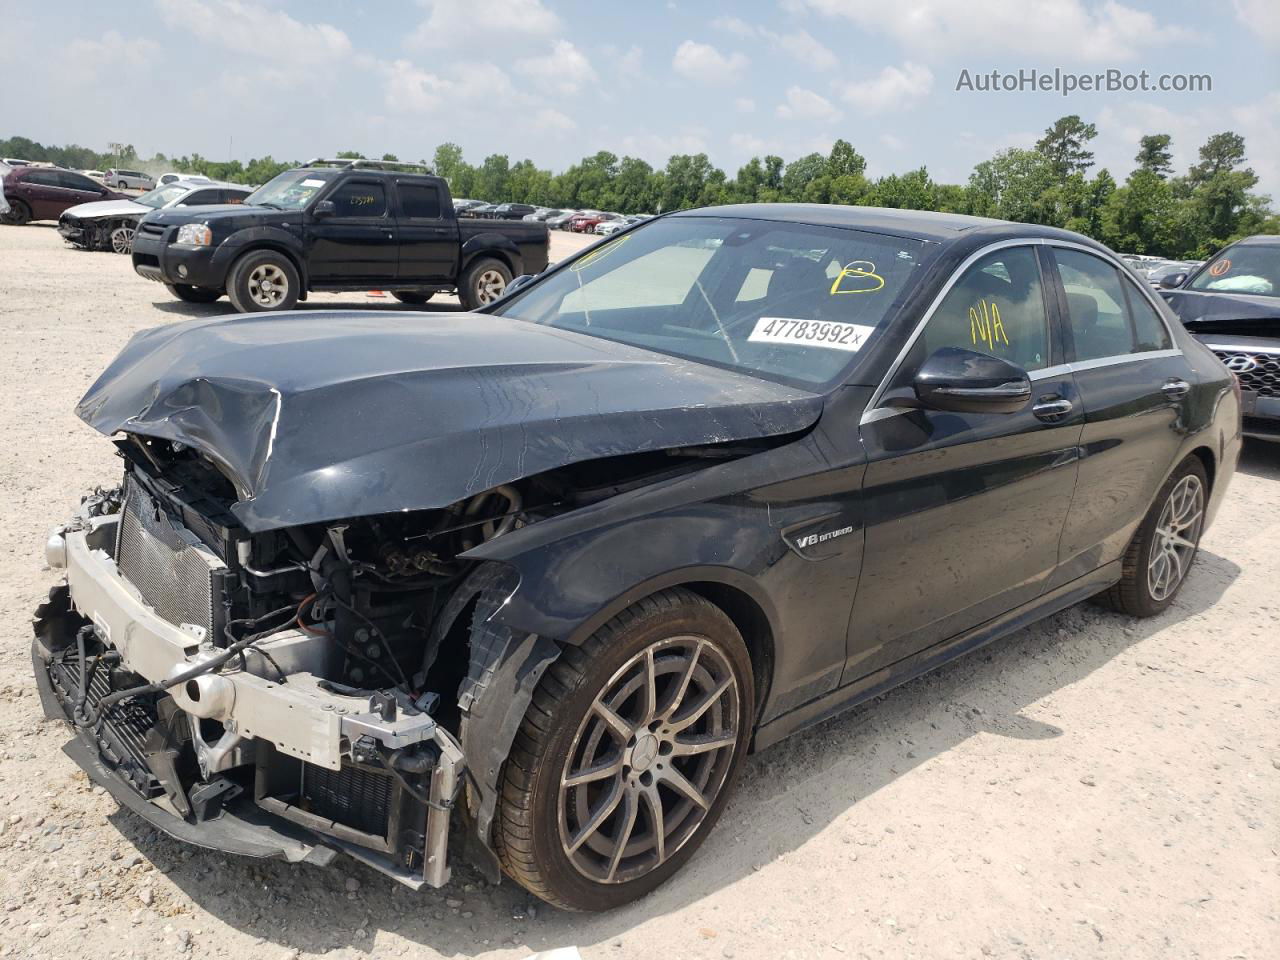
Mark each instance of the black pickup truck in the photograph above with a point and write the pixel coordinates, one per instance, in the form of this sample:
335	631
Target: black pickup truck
332	226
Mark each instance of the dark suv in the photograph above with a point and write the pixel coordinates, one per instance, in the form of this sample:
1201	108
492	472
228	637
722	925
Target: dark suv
42	193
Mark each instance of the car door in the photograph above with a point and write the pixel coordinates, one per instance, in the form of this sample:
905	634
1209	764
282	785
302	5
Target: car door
428	239
45	194
79	189
1133	384
356	241
964	511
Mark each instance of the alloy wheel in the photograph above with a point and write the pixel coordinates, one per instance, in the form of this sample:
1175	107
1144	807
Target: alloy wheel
489	286
1177	534
122	240
649	759
268	286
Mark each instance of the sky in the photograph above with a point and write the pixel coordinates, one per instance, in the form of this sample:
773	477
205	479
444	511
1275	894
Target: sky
555	80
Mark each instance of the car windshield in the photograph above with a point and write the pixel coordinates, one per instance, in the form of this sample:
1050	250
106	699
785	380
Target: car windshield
161	196
292	190
784	301
1244	268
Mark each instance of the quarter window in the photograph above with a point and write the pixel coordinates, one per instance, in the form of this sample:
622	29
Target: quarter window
419	202
1103	322
359	198
996	308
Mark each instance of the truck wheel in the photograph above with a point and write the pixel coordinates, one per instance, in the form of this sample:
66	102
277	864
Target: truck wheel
483	282
627	754
406	296
19	213
1160	554
185	291
263	280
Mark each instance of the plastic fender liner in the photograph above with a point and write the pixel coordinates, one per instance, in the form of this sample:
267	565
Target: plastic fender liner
505	668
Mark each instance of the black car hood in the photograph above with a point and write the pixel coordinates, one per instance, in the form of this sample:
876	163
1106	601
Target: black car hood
320	416
1228	313
240	214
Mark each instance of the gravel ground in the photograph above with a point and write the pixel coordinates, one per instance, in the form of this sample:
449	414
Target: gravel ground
1090	787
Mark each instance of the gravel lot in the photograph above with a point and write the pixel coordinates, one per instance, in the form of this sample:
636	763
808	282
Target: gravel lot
1091	787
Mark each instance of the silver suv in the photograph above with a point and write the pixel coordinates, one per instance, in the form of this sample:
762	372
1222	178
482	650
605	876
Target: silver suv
129	180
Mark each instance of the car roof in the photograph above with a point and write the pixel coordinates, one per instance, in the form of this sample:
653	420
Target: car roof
921	224
1261	240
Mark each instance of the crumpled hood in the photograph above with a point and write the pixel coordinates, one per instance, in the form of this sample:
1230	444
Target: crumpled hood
107	208
1200	309
319	416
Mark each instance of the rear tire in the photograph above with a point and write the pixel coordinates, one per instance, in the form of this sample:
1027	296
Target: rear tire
185	291
661	699
407	296
1156	564
263	281
483	282
18	215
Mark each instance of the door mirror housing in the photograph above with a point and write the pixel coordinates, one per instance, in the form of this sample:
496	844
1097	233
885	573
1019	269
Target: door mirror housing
964	381
325	208
521	281
1173	280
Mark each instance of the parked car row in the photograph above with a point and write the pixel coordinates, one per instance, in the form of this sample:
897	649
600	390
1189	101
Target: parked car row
110	224
578	221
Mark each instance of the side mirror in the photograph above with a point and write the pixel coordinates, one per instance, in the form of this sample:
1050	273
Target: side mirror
963	381
1173	280
521	281
325	208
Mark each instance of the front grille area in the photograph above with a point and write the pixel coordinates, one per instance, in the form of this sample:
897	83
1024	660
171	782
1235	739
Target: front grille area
1256	371
174	574
122	732
357	798
151	229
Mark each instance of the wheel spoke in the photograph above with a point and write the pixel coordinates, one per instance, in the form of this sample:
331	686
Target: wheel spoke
689	748
680	783
650	688
694	715
601	771
613	721
597	819
683	686
658	821
631	806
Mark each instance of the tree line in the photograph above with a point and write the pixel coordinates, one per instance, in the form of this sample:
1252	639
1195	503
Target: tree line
1154	211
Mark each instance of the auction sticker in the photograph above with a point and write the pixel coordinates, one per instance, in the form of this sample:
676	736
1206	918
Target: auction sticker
848	337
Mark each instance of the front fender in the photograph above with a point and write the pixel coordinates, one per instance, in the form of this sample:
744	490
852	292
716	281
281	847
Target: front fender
261	237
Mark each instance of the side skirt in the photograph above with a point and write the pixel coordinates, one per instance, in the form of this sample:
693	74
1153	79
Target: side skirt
908	668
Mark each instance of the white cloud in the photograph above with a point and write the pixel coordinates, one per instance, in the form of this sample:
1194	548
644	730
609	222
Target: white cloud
706	64
251	28
1068	29
804	104
412	89
1260	16
734	25
451	22
657	148
893	88
892	142
744	105
553	120
803	47
564	71
631	63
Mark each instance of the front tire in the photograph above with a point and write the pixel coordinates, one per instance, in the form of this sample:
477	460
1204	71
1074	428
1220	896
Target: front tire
185	291
18	215
263	281
483	282
409	296
1155	566
627	754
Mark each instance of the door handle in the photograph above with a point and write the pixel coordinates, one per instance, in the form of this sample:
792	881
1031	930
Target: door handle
1052	408
1176	389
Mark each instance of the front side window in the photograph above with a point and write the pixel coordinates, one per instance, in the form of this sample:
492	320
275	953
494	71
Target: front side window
997	308
1097	306
783	301
1243	268
360	198
44	178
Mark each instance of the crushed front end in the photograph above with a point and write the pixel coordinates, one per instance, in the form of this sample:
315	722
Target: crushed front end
265	694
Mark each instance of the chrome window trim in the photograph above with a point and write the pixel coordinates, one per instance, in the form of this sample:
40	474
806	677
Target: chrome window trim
1126	274
1239	347
874	412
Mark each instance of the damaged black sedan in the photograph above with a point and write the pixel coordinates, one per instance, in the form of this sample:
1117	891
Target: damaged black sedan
545	573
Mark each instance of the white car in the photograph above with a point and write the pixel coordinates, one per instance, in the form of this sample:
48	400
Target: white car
175	177
129	179
110	224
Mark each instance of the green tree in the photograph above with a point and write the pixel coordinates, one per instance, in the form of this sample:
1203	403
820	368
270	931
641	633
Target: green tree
1065	145
1154	154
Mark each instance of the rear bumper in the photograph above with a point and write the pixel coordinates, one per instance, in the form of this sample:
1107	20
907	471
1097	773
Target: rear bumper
268	732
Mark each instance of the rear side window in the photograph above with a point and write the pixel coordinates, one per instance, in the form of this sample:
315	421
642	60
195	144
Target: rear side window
201	198
419	201
360	198
1149	331
1098	308
996	308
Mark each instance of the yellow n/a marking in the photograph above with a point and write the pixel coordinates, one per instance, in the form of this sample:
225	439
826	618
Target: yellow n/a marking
985	325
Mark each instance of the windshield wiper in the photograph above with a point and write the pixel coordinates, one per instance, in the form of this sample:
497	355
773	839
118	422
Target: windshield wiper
264	203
